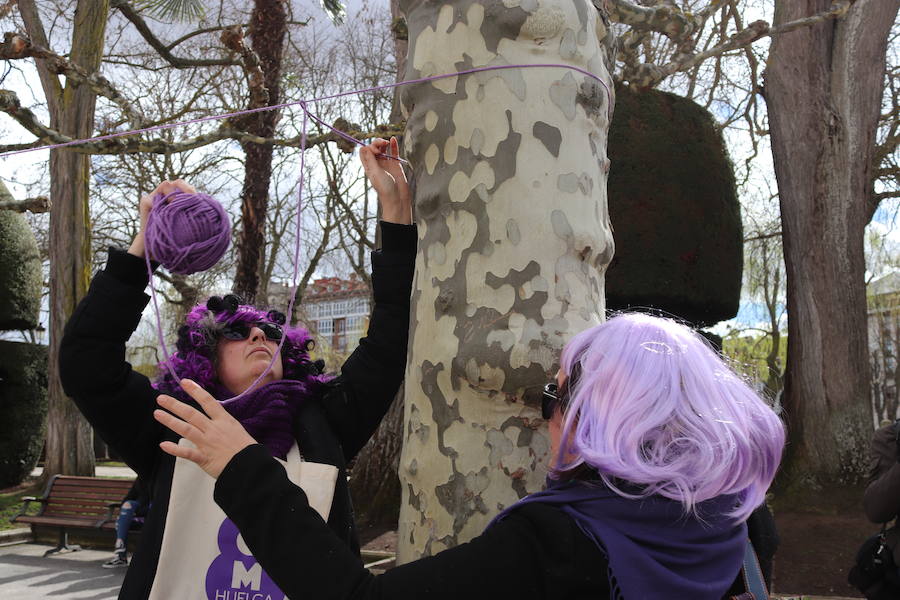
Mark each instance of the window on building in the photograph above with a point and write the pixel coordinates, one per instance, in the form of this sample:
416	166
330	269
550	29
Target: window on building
339	335
325	326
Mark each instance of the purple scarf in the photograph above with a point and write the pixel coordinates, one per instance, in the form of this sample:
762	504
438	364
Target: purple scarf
654	551
267	413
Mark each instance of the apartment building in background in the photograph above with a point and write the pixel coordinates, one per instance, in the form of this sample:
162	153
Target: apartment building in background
335	310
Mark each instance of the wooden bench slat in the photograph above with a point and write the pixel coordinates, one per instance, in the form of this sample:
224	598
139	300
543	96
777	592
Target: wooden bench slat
80	501
92	482
98	498
73	512
88	522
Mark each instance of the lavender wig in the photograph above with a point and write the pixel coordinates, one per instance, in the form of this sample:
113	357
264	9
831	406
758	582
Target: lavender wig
655	406
197	344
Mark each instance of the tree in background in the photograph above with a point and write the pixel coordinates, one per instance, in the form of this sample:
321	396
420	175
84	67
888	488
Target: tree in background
71	106
823	89
759	347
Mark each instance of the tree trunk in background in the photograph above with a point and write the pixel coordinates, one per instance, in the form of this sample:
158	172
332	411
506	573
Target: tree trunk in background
374	485
823	90
514	237
400	32
69	448
268	23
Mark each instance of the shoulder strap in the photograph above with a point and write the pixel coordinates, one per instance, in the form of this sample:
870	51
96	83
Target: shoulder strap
752	577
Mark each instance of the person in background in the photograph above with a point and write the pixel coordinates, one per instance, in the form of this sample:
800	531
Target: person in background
881	500
134	506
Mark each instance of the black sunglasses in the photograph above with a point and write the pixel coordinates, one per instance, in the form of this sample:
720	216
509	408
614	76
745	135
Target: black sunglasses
241	331
550	400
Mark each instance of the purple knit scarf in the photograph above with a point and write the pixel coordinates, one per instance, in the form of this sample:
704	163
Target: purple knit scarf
653	549
268	412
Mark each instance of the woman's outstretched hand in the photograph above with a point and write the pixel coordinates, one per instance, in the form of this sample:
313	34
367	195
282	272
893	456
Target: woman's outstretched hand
388	179
166	187
217	435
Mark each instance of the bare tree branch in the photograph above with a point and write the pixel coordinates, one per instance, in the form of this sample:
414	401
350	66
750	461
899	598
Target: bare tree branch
6	8
679	27
760	237
40	204
233	38
18	47
178	62
195	33
667	20
877	198
9	103
49	82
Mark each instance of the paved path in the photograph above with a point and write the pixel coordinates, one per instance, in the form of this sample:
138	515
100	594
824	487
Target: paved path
26	575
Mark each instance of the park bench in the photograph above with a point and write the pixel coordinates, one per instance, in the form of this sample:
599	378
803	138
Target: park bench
86	503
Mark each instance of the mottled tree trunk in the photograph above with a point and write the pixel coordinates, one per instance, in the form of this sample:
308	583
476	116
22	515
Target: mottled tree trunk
69	448
510	169
268	23
823	91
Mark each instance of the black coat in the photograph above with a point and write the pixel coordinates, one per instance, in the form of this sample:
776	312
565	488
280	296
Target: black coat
536	553
119	401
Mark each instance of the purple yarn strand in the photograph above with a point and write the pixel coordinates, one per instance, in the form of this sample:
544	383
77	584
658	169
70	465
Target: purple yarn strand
159	331
290	310
303	103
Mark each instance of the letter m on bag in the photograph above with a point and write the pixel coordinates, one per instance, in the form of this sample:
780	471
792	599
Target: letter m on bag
241	577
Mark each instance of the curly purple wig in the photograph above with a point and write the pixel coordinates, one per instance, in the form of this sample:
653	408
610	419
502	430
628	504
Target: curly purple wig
196	348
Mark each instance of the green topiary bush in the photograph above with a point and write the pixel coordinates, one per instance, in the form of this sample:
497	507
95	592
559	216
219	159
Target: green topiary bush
23	407
674	210
20	273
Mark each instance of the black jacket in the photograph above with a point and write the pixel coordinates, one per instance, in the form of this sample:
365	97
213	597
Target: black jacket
536	552
119	401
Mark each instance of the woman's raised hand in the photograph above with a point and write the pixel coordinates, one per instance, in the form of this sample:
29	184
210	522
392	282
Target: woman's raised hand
166	187
217	435
388	179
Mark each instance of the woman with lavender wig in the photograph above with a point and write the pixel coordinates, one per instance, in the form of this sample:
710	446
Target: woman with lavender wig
310	425
660	454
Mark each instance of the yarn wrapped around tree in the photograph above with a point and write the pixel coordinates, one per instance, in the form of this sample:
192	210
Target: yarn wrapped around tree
187	233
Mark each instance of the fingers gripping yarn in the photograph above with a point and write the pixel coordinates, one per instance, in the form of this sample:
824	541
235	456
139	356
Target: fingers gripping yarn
187	232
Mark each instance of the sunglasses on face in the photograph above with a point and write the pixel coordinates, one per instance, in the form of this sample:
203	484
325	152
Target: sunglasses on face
241	331
550	400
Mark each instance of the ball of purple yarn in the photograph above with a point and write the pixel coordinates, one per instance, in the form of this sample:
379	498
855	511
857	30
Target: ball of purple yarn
187	233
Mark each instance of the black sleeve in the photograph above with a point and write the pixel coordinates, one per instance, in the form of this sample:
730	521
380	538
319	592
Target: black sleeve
881	500
513	559
116	400
358	399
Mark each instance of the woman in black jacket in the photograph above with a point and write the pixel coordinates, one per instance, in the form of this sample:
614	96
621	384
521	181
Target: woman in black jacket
661	452
310	424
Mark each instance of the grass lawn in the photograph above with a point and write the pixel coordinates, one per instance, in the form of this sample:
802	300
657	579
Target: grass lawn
11	501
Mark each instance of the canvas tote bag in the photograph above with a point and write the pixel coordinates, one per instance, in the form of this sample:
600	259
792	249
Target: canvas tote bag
203	556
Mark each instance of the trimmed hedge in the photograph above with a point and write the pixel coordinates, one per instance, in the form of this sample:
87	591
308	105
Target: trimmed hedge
23	408
20	273
674	210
